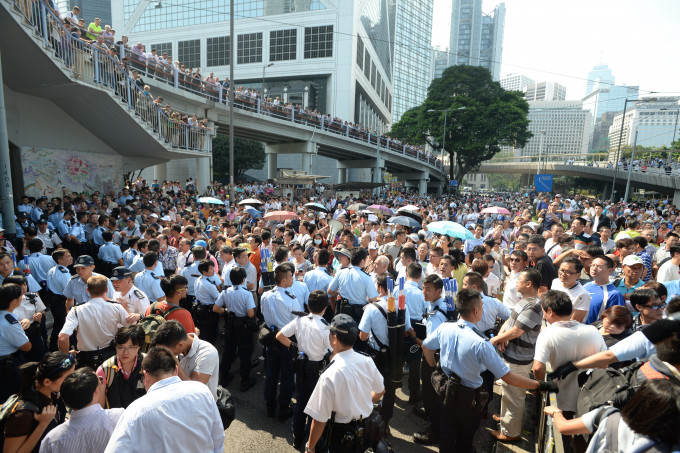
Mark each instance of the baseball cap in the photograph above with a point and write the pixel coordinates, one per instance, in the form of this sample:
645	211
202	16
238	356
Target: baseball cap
41	221
120	273
413	237
201	243
153	215
342	251
663	328
166	218
632	260
373	245
84	261
344	327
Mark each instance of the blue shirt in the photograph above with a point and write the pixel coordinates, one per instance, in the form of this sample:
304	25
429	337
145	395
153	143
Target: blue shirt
601	298
138	266
97	235
110	253
465	352
36	214
78	232
150	284
493	308
635	347
11	334
206	291
129	256
434	318
237	300
191	274
318	279
375	324
301	294
55	217
40	265
415	301
63	228
673	288
33	286
76	289
355	285
624	290
27	208
57	279
278	305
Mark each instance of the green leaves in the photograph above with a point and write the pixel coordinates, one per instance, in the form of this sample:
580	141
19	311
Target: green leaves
248	154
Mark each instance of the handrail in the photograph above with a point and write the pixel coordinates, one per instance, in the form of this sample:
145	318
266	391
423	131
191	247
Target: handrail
91	64
549	440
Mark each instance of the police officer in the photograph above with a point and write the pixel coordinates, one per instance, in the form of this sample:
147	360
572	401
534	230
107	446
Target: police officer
37	211
97	322
207	293
49	238
131	253
278	306
130	297
299	288
109	254
148	281
77	235
7	268
64	227
354	285
239	305
349	373
493	308
38	263
313	351
319	277
57	279
191	273
12	339
464	354
373	328
138	263
22	222
76	288
417	309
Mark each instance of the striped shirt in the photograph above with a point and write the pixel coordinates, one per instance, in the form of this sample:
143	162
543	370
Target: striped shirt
527	315
87	430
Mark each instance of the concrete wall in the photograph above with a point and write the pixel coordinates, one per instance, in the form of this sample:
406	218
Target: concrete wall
320	166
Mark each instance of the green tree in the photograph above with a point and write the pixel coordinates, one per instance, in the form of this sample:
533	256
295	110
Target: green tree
493	117
248	155
503	182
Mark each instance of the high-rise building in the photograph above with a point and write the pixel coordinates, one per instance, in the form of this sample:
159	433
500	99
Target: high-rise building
546	91
476	38
609	99
89	10
599	77
439	62
412	55
516	82
565	126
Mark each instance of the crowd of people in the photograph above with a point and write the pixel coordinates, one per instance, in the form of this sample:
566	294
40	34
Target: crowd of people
153	297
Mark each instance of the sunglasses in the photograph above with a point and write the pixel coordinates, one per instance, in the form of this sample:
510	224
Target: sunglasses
657	307
515	260
65	365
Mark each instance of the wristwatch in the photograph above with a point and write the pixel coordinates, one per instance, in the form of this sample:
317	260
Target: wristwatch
556	411
308	450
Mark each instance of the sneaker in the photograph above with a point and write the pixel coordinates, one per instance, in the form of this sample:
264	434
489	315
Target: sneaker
428	437
248	384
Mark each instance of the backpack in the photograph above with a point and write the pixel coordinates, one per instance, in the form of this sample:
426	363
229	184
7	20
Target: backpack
611	432
152	321
606	387
13	403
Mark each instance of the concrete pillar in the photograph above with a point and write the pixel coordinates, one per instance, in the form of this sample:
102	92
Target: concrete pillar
342	175
676	198
160	172
203	173
422	187
272	164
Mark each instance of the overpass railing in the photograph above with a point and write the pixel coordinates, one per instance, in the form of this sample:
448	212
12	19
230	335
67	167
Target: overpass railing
672	170
219	93
92	64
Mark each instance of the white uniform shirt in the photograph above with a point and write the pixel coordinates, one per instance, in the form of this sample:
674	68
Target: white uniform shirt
202	358
97	321
311	335
136	299
345	388
174	415
26	309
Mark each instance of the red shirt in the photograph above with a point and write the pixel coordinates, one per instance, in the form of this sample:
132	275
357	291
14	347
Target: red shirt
182	316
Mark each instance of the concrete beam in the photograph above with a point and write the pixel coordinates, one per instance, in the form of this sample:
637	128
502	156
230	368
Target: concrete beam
417	175
291	148
360	163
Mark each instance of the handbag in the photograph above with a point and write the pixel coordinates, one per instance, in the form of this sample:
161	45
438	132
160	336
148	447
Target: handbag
225	406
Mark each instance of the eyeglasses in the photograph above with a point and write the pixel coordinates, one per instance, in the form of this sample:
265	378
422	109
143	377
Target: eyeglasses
65	365
563	272
657	307
126	348
515	260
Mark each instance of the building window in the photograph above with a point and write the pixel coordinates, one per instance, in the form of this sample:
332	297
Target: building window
163	47
189	53
360	53
218	50
283	45
373	74
249	48
319	41
367	66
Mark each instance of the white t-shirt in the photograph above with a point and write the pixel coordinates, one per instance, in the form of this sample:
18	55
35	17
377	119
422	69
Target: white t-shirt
511	296
668	272
203	358
567	341
580	298
493	284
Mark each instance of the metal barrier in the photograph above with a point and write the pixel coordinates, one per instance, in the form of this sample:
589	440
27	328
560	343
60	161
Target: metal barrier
549	440
94	64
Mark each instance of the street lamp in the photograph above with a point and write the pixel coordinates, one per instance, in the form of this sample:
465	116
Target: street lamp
444	140
264	68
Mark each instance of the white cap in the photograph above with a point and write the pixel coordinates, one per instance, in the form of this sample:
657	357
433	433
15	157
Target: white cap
373	245
632	260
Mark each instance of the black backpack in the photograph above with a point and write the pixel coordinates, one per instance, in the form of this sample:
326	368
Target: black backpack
13	404
606	387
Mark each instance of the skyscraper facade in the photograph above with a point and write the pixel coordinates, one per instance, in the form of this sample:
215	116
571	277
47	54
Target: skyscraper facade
546	91
476	38
599	76
412	54
516	82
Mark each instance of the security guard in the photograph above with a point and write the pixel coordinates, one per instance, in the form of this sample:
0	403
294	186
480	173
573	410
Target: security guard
49	238
130	297
131	253
76	288
97	322
148	281
354	285
57	279
313	351
464	354
373	328
349	373
278	306
12	339
207	293
38	263
239	305
109	254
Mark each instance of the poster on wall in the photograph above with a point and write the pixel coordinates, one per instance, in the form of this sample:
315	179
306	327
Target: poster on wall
47	171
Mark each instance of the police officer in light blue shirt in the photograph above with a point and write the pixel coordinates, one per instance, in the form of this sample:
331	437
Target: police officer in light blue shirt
64	225
97	237
12	338
148	282
38	263
493	308
207	293
110	252
7	268
56	216
76	288
77	230
37	212
300	290
25	206
354	284
131	253
415	301
319	278
57	279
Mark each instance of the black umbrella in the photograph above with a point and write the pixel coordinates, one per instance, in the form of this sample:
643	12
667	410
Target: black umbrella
412	214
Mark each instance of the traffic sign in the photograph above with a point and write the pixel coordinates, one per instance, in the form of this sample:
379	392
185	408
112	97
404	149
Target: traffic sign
543	183
453	183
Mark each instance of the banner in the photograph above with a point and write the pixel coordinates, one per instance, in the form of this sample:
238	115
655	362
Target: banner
47	171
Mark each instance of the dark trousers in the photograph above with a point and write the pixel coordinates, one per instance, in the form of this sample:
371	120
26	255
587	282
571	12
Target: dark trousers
58	309
387	403
238	342
279	368
303	390
457	428
11	381
207	322
430	400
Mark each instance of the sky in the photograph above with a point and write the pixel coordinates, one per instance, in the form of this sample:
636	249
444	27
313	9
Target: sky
560	41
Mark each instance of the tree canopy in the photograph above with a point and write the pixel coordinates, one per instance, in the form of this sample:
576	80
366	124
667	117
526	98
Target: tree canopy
248	155
492	117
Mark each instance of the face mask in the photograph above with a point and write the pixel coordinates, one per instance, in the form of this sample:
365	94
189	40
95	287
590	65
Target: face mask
317	241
